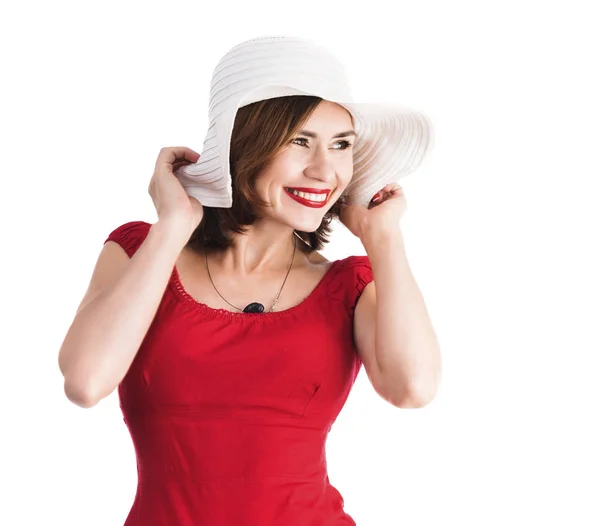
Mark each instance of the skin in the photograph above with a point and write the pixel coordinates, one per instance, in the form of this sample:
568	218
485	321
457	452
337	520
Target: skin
321	163
392	330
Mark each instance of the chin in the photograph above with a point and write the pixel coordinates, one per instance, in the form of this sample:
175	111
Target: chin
307	224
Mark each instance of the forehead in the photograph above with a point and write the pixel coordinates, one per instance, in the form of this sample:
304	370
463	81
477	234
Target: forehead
330	114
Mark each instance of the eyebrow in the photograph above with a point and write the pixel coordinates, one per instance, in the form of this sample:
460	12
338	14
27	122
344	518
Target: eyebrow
336	136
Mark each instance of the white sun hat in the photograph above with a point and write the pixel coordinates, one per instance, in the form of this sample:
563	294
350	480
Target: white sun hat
391	141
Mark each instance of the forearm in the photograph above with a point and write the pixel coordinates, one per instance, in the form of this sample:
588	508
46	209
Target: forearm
107	332
406	345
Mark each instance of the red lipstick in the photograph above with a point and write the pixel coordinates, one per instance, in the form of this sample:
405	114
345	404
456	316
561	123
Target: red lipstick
309	190
308	202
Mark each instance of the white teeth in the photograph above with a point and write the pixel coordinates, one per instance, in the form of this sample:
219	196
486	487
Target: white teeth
310	197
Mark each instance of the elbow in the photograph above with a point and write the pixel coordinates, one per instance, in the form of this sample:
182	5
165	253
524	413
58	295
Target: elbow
77	390
415	396
79	396
76	387
421	390
412	401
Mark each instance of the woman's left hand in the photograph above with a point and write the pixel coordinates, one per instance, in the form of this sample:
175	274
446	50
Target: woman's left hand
383	212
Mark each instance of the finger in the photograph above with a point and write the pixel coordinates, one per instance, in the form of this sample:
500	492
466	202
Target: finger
176	153
394	188
179	163
377	197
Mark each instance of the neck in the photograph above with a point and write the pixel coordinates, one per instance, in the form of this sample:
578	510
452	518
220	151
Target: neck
252	254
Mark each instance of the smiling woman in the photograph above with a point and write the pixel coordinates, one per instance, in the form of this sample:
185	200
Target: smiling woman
268	138
230	376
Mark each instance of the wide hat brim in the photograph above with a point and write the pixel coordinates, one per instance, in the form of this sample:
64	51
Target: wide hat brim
392	141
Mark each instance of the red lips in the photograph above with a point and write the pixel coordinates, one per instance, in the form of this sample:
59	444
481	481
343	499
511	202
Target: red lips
309	190
308	202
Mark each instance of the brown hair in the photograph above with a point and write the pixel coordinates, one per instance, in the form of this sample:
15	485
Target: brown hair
259	133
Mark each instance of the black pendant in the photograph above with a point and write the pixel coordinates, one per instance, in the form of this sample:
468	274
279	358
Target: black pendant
254	308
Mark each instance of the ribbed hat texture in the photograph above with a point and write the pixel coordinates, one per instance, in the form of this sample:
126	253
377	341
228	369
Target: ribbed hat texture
391	141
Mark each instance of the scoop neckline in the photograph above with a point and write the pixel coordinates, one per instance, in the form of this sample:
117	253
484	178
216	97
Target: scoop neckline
185	297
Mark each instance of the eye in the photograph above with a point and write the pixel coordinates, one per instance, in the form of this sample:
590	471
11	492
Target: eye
345	145
300	139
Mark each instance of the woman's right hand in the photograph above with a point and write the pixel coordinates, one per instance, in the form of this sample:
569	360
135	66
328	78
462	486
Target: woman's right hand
173	205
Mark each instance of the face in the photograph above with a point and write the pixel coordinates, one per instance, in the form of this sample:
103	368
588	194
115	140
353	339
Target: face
309	175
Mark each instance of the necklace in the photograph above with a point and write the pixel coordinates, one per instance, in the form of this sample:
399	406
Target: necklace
253	307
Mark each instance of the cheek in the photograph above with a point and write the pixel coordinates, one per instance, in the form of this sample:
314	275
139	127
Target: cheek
291	165
347	169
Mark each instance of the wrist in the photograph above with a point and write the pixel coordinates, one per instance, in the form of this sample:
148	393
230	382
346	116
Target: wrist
375	236
172	233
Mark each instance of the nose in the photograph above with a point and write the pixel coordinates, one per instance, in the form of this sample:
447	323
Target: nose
320	166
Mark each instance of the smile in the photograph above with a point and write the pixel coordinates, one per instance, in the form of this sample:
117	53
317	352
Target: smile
309	197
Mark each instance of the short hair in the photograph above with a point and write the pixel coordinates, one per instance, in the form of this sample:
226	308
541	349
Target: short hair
259	133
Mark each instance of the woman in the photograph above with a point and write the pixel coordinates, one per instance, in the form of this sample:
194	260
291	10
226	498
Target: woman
233	343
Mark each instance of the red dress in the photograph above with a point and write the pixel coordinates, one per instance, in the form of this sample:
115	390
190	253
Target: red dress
229	412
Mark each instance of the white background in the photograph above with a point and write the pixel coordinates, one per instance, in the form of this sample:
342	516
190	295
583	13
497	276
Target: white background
501	232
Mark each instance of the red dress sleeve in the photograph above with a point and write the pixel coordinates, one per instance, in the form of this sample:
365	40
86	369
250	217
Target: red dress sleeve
361	275
130	236
351	278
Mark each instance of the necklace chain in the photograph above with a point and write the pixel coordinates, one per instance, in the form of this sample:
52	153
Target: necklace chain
276	299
